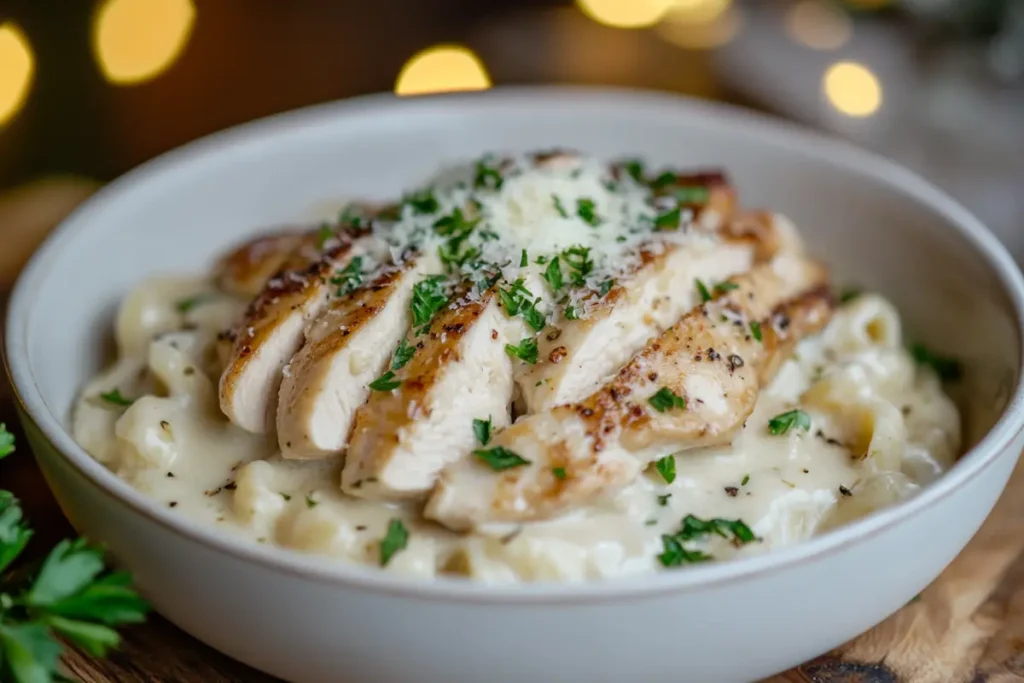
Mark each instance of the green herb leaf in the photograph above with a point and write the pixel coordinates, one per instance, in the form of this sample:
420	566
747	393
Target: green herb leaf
455	225
849	295
559	207
571	313
29	652
605	287
287	496
115	398
6	441
664	179
792	419
487	177
96	639
732	529
352	216
586	209
755	329
500	458
323	233
428	297
663	499
948	369
518	300
665	399
702	289
723	287
423	202
311	502
674	554
553	275
526	351
691	194
14	535
577	259
386	382
396	539
524	260
668	220
559	473
69	568
186	305
482	430
666	467
746	478
635	169
403	354
348	279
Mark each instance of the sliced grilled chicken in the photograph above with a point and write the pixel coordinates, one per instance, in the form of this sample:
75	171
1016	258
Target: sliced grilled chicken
245	270
580	355
346	348
459	371
692	386
271	332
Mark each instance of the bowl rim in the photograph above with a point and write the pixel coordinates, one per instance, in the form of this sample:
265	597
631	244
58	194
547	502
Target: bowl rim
330	571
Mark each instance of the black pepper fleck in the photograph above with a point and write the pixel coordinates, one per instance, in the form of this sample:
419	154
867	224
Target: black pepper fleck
845	491
173	503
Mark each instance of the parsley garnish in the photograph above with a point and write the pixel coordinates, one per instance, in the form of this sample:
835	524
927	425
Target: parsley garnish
577	258
386	382
186	305
948	369
348	279
403	354
705	295
396	538
559	473
482	430
663	180
691	194
115	398
455	224
311	502
323	234
500	458
723	287
665	399
674	554
423	202
669	220
518	300
586	210
6	444
553	275
746	478
559	207
457	228
352	215
635	169
783	422
456	252
526	351
695	528
428	298
287	496
487	177
755	329
571	313
663	499
849	295
666	467
605	287
524	260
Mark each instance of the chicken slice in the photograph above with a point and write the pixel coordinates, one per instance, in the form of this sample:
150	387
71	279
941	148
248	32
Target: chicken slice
346	348
579	356
712	360
246	269
459	371
271	332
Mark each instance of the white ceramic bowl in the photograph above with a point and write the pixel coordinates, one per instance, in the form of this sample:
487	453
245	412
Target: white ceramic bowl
308	619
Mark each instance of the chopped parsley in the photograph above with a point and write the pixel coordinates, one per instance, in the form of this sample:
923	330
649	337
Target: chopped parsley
948	369
605	287
691	194
323	234
666	467
571	313
186	305
723	287
386	382
668	220
675	553
559	473
849	295
423	202
396	538
500	458
403	354
455	252
287	496
115	398
518	300
702	289
482	430
456	227
6	441
663	499
428	298
586	209
349	278
352	216
664	179
524	260
487	177
635	169
755	329
526	351
553	275
559	207
311	502
746	478
455	224
577	258
665	399
792	419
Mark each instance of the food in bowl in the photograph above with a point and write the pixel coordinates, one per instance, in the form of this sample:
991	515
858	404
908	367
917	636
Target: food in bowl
535	367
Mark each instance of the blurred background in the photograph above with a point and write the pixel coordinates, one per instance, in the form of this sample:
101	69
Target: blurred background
89	89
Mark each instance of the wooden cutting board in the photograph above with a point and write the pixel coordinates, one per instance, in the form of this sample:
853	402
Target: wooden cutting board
967	627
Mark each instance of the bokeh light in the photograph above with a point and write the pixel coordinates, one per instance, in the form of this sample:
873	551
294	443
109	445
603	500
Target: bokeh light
625	13
852	89
442	68
17	67
818	25
701	24
137	40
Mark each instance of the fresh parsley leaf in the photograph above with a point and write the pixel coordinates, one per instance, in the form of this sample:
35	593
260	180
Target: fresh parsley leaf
702	289
455	225
487	177
323	233
6	441
665	399
571	313
29	652
668	220
635	169
559	207
287	496
723	287
348	279
352	216
605	287
524	260
791	419
734	529
386	382
456	252
666	467
553	275
311	502
14	534
849	295
482	430
500	458
526	351
518	300
664	179
577	259
746	478
948	369
663	499
403	354
674	554
186	305
69	568
559	473
587	210
115	398
755	329
423	202
396	538
694	194
96	639
428	297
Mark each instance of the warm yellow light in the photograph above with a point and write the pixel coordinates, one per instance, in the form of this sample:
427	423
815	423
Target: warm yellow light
701	24
852	89
137	40
625	13
442	68
696	12
817	25
16	69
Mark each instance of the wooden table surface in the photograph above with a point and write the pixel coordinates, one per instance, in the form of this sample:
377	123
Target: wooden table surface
967	627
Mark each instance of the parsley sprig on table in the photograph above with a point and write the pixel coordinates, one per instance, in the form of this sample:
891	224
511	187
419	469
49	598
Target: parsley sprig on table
71	597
